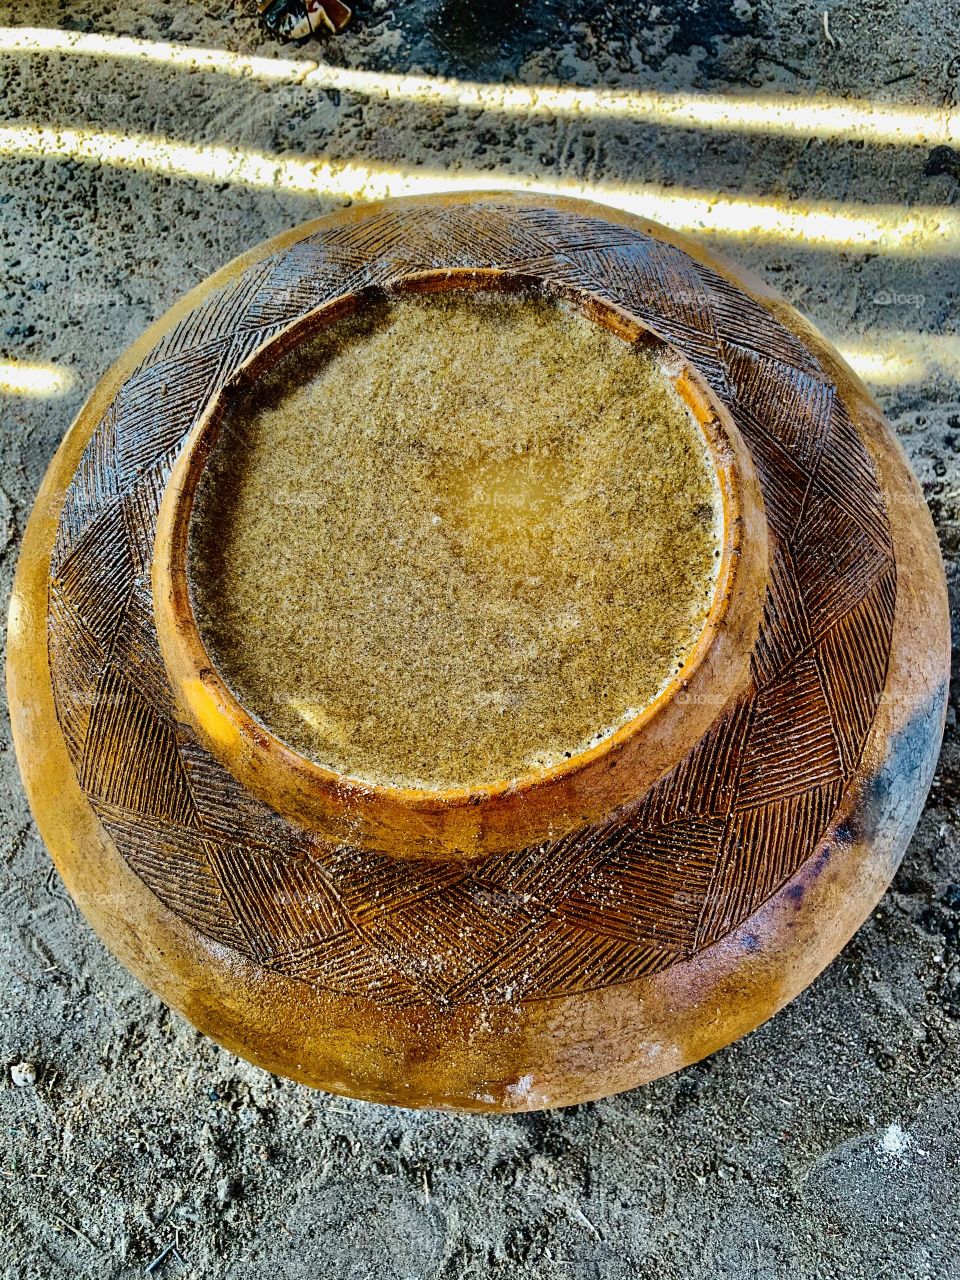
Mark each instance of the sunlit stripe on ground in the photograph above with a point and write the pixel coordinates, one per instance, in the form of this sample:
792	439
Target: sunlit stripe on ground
20	378
84	44
788	116
903	358
867	228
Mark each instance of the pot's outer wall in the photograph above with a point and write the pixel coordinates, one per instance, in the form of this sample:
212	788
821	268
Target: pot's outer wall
557	1050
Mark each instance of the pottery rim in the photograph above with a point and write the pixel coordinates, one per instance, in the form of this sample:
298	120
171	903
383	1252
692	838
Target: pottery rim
544	803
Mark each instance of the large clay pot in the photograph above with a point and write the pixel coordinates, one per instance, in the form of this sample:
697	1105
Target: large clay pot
546	940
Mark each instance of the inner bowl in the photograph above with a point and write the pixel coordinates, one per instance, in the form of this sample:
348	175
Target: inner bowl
454	539
444	549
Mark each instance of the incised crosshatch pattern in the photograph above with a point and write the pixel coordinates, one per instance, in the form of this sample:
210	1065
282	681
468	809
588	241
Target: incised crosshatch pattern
706	846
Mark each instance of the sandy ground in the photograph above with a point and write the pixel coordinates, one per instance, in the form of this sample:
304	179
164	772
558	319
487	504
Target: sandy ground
827	1143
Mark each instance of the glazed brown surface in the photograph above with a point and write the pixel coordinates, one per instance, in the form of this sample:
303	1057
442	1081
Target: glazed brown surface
548	975
710	842
454	539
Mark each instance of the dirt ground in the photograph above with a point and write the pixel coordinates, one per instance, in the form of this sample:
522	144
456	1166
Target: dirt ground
825	1144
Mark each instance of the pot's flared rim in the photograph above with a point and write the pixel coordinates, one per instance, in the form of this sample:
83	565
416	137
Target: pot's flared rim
540	804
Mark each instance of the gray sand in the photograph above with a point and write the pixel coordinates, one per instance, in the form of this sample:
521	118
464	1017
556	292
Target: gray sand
826	1144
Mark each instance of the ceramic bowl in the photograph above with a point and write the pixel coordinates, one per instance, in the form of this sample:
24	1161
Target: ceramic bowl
551	938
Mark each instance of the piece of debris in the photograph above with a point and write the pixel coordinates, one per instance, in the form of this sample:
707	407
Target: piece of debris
171	1251
297	19
943	159
826	29
74	1231
23	1074
894	1141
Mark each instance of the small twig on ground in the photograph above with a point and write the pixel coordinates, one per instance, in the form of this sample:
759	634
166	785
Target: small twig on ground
152	1266
826	29
578	1213
172	1250
75	1231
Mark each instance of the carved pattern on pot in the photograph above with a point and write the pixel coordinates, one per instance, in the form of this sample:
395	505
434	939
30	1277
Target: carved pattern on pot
631	896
